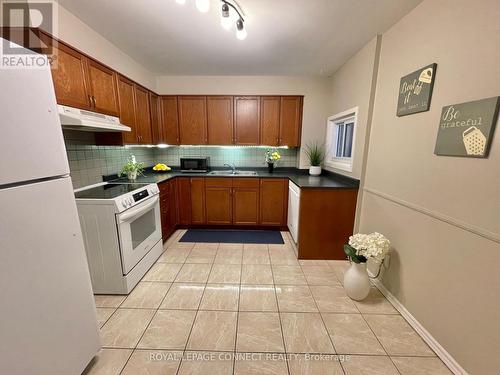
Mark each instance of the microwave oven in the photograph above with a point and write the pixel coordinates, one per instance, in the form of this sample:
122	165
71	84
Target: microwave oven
195	165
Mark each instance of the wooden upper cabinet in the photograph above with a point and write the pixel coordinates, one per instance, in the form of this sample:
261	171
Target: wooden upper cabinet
198	200
270	120
69	73
103	90
127	108
156	128
273	198
290	120
246	120
220	120
192	120
143	119
169	120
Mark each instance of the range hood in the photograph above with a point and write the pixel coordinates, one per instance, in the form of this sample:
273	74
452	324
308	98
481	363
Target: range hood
80	119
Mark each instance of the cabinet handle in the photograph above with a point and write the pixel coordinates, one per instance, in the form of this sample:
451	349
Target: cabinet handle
95	101
90	100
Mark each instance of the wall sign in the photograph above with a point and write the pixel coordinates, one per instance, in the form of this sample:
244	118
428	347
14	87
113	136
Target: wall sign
415	91
466	129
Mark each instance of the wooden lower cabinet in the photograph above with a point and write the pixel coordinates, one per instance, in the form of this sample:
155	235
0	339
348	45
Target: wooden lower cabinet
184	200
198	200
168	208
246	201
326	220
218	201
273	201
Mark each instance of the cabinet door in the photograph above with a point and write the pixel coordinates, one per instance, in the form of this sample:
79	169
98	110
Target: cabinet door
156	129
246	120
269	120
273	195
174	209
169	120
184	200
165	210
193	120
102	82
143	120
69	74
246	201
218	205
220	120
290	121
127	108
198	200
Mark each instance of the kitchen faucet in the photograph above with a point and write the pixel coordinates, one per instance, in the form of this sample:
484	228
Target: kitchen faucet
233	166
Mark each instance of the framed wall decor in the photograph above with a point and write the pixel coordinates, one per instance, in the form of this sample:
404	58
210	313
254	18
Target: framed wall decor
415	91
466	129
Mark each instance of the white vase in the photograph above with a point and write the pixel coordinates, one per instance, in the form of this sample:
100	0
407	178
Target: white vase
315	170
356	281
132	175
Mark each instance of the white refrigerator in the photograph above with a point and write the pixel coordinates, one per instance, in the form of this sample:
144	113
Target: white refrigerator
47	312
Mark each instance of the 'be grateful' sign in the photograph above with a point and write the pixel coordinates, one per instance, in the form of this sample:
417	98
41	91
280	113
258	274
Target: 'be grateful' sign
466	129
415	91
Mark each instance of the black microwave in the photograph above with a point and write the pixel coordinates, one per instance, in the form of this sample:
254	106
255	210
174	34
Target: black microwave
195	164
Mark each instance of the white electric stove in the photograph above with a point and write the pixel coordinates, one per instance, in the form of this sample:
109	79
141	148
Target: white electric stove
121	228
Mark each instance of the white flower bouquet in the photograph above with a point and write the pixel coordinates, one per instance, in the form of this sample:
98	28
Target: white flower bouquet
362	247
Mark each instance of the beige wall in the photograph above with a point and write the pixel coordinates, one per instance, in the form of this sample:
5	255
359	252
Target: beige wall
315	90
352	86
441	213
73	31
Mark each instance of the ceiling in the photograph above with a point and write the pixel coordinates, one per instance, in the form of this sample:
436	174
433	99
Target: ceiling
285	37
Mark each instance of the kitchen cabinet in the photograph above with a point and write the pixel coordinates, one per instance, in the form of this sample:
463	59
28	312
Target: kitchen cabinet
193	120
290	120
168	207
245	201
184	200
198	200
157	134
102	88
127	108
69	74
246	120
142	113
220	120
326	220
169	120
273	201
270	120
218	198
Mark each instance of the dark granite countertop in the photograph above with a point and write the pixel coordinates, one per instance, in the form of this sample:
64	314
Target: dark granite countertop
300	177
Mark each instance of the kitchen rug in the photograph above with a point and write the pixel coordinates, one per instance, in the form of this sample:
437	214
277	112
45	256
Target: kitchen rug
232	236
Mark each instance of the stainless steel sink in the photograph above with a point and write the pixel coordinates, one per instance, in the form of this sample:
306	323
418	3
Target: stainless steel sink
234	174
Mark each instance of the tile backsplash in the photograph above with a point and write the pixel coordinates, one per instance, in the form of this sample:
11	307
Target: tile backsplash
88	162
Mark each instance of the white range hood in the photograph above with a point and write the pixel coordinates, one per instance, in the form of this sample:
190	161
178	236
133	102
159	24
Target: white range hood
81	119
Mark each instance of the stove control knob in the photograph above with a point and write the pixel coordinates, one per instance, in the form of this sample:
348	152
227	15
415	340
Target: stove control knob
124	204
130	201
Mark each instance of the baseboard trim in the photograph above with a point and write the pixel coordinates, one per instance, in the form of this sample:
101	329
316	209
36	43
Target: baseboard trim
441	352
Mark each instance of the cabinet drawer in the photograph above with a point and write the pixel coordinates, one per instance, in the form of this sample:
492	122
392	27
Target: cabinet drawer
242	182
218	182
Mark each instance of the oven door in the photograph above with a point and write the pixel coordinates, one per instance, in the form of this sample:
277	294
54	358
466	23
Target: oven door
139	229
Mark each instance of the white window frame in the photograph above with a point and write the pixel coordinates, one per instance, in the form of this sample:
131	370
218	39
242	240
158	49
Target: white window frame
331	160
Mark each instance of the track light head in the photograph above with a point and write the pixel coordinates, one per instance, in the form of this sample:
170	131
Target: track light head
225	10
241	33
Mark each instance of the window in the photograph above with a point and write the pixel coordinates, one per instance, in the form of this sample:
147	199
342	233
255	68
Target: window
341	131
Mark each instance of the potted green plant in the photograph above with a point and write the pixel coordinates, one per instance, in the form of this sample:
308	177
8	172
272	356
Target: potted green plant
316	154
131	169
272	156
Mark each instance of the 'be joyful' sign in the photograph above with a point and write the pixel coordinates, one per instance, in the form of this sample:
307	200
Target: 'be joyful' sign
415	91
466	129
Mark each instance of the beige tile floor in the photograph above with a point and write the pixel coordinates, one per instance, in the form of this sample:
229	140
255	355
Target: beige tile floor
253	309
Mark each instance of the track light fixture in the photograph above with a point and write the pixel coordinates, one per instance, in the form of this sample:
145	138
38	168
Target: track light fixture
228	17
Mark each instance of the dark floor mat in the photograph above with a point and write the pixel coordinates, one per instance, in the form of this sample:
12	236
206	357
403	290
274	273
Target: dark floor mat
233	236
